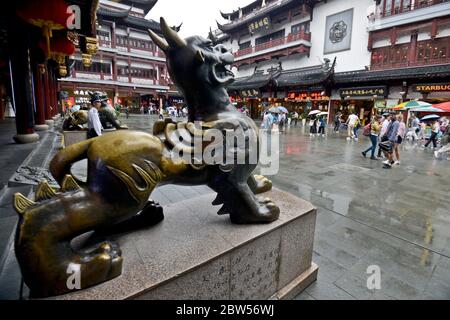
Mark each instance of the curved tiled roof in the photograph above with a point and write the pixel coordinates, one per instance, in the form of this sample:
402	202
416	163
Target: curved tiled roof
147	5
305	76
424	72
128	20
259	13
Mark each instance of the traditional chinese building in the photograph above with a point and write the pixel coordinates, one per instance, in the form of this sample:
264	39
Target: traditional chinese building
306	41
36	40
129	67
409	44
348	56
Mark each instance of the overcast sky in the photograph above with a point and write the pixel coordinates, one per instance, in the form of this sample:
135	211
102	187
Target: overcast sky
197	15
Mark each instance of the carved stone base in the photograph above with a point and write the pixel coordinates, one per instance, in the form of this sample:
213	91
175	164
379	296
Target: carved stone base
26	138
41	127
196	254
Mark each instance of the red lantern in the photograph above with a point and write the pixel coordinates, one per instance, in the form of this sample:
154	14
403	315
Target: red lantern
49	15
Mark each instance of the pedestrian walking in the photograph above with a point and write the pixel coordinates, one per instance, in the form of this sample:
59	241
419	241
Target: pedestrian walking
322	125
389	144
351	123
282	121
375	128
337	122
295	118
445	142
382	136
400	137
313	127
434	133
94	124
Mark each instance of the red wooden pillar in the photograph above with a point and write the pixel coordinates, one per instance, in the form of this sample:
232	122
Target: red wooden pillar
413	49
54	86
19	39
40	98
434	29
48	101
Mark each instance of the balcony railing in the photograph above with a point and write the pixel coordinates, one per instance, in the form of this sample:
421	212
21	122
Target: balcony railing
104	43
81	74
405	64
274	43
129	48
414	5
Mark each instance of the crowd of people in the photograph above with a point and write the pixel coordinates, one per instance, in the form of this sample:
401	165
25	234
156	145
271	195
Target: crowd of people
386	132
389	131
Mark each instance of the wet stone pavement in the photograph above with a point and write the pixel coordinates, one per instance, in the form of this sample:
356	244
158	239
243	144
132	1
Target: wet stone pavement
398	219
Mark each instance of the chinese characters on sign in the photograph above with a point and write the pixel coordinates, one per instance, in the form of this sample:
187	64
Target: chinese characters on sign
364	92
259	25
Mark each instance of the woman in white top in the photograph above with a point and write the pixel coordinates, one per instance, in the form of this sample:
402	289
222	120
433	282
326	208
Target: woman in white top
434	133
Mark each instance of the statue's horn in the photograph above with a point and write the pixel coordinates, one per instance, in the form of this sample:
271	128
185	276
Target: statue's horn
171	36
199	57
160	42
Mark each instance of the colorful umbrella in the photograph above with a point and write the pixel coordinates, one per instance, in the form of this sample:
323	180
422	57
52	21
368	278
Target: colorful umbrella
323	114
427	109
283	109
445	106
430	117
411	104
274	110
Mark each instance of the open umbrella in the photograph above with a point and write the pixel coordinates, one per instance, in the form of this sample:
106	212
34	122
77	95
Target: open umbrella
314	112
445	106
411	104
283	109
427	109
274	110
323	114
430	117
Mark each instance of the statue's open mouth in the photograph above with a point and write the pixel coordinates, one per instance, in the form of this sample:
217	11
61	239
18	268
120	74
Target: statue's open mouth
222	74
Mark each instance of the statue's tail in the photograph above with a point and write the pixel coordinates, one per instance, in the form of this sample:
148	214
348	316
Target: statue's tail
62	162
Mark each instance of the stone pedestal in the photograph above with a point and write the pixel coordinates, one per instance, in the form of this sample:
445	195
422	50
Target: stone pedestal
26	138
196	254
41	127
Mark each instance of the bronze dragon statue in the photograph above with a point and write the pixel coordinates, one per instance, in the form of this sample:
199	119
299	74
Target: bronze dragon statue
124	167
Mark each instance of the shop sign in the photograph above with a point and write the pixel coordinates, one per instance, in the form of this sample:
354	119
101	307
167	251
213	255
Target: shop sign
259	25
380	91
436	87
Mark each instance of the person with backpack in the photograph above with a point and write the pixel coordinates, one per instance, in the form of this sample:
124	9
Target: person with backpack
372	130
389	144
